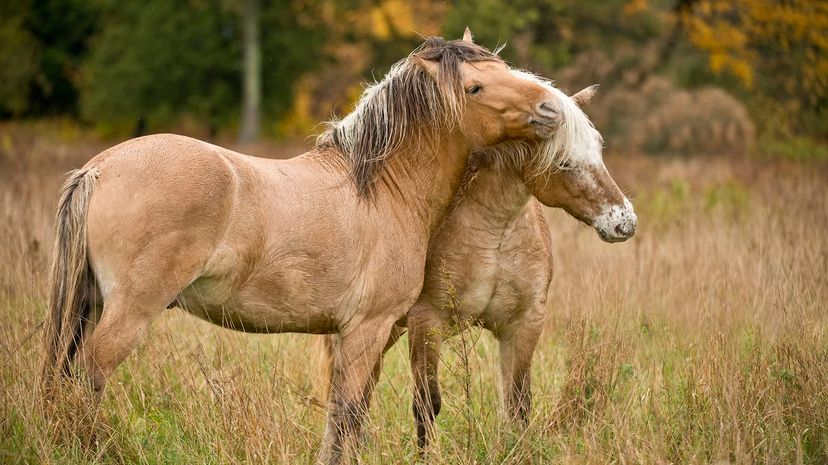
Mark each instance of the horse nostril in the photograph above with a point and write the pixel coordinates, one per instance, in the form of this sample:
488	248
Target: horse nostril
625	229
547	109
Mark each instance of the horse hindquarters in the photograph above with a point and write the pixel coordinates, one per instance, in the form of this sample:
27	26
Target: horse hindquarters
152	224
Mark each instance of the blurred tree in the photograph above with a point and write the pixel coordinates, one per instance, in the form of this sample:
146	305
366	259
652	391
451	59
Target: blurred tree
252	90
19	53
159	61
294	36
63	28
778	48
532	28
548	34
361	39
152	65
42	43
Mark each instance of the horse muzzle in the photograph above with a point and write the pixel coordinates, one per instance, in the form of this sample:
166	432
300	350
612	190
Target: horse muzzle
616	223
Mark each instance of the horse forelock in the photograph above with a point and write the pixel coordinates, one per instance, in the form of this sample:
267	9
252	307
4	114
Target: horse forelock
572	143
575	140
403	109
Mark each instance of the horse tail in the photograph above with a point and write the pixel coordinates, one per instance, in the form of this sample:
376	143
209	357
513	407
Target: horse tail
325	346
70	278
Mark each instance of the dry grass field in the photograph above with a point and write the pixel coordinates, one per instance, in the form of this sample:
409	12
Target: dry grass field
703	340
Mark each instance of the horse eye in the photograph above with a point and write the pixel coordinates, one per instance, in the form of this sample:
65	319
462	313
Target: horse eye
474	89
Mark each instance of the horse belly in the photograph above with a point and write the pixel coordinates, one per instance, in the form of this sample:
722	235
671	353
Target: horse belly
269	299
211	300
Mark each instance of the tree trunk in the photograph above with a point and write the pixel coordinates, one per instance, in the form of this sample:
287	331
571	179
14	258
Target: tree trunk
252	73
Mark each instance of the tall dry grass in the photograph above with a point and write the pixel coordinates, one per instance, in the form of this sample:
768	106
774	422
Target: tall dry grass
701	340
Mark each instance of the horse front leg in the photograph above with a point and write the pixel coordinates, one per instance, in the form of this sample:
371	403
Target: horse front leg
396	333
517	346
424	341
356	357
329	346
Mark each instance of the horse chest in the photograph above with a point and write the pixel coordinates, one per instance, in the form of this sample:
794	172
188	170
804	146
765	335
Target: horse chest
467	285
500	283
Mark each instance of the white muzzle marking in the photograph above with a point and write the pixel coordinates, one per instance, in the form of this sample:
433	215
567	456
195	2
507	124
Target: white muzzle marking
616	223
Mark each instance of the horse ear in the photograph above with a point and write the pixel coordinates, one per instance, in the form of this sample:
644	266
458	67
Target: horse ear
467	36
429	66
584	96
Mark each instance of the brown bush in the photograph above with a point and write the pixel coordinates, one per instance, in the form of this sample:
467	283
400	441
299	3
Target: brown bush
648	114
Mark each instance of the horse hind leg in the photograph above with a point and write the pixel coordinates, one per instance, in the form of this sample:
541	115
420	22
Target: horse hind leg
139	295
124	321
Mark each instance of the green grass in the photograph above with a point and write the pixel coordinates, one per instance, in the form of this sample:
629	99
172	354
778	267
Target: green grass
799	148
702	340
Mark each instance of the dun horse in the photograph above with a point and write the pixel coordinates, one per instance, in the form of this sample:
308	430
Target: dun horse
260	245
490	264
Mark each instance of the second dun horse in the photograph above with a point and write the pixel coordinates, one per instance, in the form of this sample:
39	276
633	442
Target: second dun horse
490	264
332	241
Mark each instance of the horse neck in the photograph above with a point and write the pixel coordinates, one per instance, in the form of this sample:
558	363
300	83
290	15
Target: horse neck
496	194
425	177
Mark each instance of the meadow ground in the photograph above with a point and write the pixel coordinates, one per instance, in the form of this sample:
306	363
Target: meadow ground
702	340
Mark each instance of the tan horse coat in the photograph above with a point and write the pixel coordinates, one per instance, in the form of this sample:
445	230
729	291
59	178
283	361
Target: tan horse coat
334	240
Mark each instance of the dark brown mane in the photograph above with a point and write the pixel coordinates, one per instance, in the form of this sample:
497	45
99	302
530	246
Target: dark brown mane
407	103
